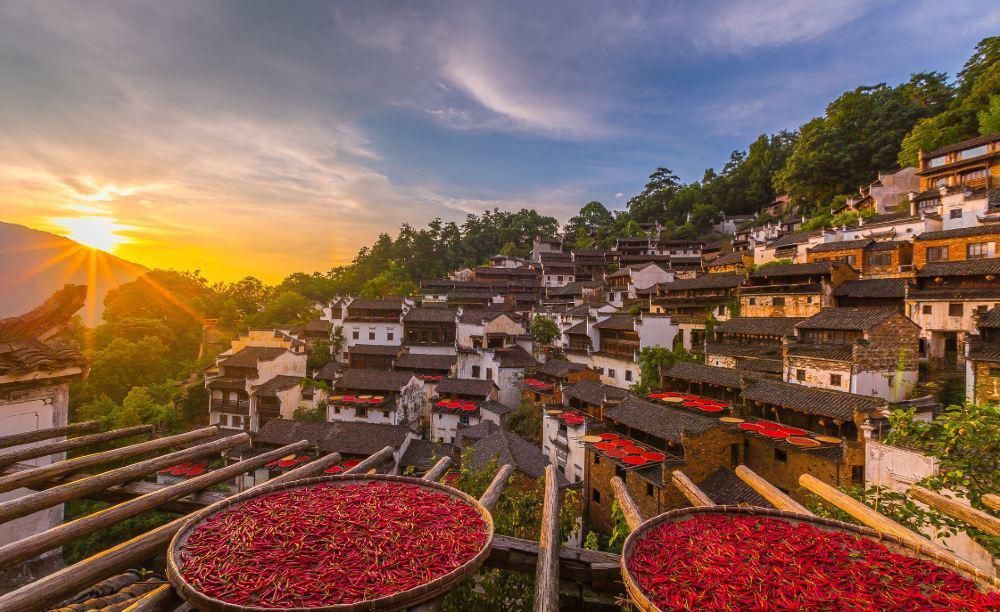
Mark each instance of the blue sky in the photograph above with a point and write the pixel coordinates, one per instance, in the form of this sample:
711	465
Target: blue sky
268	137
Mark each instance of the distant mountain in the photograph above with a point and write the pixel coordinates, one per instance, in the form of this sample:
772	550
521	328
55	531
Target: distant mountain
34	264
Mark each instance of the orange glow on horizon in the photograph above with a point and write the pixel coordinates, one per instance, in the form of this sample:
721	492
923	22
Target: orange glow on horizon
103	233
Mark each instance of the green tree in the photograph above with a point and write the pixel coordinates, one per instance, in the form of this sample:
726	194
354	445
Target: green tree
319	356
125	364
652	361
989	118
286	308
526	420
544	331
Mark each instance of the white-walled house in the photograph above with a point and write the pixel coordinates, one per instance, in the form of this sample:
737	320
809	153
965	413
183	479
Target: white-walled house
377	396
463	402
38	361
611	344
482	328
375	321
623	285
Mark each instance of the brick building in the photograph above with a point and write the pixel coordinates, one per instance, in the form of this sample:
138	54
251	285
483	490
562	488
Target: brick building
430	330
971	164
872	258
960	244
868	351
872	293
736	262
793	290
982	377
544	383
751	343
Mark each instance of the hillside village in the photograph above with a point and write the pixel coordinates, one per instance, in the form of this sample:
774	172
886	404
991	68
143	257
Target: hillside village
778	349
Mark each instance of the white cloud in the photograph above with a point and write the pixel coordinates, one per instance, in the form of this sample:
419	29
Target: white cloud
746	24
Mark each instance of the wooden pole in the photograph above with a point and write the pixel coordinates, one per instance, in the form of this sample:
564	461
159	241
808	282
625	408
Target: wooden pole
493	492
963	512
770	492
436	472
161	599
23	506
992	501
34	545
43	450
633	516
696	496
547	569
372	462
46	434
310	469
26	478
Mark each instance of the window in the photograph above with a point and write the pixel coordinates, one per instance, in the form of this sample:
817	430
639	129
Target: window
879	259
385	414
780	455
355	333
752	301
835	380
994	372
596	496
611	373
390	335
977	250
649	489
628	375
336	410
955	213
489	373
934	162
475	371
937	253
597	459
734	455
371	333
973	152
778	301
464	419
559	278
800	375
956	309
926	309
858	475
361	412
982	309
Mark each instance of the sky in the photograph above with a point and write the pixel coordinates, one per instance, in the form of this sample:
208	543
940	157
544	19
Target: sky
264	138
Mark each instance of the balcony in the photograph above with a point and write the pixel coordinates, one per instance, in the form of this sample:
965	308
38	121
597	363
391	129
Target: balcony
235	406
626	349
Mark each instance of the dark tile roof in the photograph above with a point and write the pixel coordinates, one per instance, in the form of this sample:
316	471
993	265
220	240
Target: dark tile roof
657	420
479	315
991	319
483	429
705	281
347	437
430	315
388	303
580	328
593	392
423	454
891	219
559	368
248	356
975	267
38	341
276	384
874	288
835	352
790	239
418	361
318	326
885	245
728	259
726	488
505	447
373	349
983	351
850	319
226	382
844	245
514	357
373	380
466	386
496	407
801	269
834	404
331	371
965	144
699	372
960	232
617	322
763	326
743	350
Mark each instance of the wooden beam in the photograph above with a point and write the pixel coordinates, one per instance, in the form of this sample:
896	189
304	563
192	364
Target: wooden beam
33	502
436	472
493	492
600	570
46	434
770	492
956	509
633	516
992	501
881	523
52	448
372	462
696	496
34	545
547	569
161	599
26	478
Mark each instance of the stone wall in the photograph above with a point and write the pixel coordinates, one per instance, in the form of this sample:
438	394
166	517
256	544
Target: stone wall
762	458
796	305
957	248
987	386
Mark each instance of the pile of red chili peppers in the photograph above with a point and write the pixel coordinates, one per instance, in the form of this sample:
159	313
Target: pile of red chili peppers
331	543
738	562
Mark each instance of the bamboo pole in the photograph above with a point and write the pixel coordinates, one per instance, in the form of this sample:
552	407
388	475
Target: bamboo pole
633	516
31	546
992	501
770	492
953	508
372	462
313	468
493	492
436	472
547	569
161	599
46	434
26	478
696	496
875	520
23	506
43	450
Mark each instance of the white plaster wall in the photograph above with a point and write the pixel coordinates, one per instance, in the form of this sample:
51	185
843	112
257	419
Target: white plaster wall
893	386
444	425
605	363
656	331
382	332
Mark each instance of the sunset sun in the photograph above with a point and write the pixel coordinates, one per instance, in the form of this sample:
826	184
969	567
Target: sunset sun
102	233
